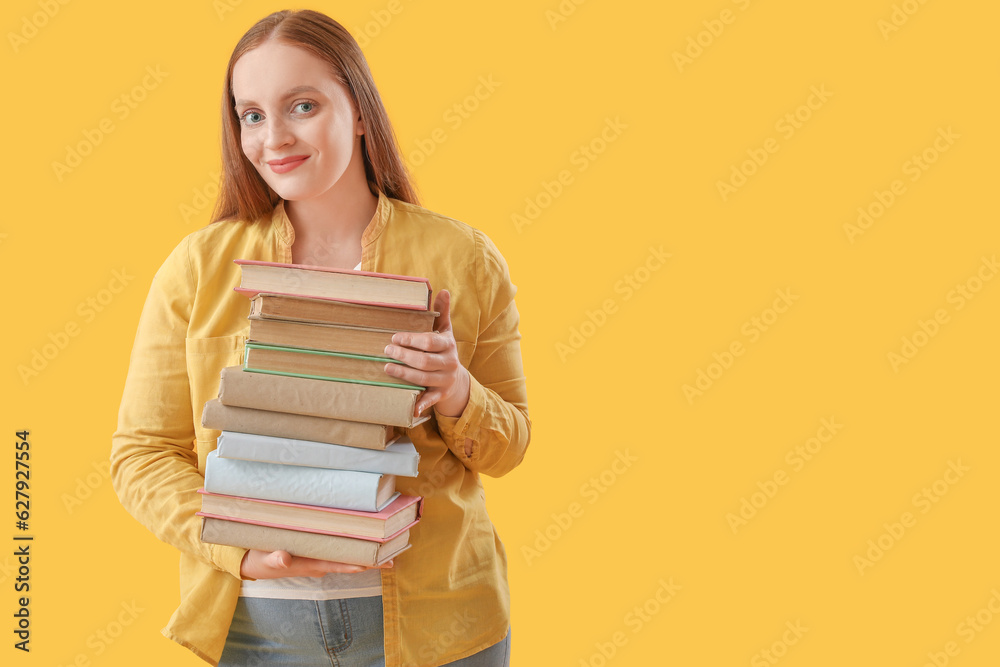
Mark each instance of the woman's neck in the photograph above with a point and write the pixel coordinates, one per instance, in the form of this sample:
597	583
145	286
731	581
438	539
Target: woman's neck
333	224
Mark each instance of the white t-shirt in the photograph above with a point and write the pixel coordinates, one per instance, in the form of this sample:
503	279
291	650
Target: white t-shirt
333	586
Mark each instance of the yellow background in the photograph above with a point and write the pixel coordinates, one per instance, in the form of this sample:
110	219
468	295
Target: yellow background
664	517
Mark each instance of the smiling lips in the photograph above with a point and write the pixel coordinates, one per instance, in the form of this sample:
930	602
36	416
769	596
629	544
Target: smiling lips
286	164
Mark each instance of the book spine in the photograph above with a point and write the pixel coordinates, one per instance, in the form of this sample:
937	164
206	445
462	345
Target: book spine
325	337
297	543
300	427
279	308
321	365
401	459
346	489
256	511
319	398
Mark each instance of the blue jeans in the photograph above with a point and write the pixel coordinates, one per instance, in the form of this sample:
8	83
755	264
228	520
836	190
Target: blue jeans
310	633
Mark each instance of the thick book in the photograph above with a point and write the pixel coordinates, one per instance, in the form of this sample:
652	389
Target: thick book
344	489
399	459
298	542
319	337
321	365
325	282
320	398
281	307
401	514
301	427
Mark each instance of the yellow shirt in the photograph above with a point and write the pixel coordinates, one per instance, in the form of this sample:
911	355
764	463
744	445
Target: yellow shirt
447	596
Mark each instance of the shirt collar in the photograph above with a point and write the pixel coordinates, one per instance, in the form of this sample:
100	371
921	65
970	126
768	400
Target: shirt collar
286	233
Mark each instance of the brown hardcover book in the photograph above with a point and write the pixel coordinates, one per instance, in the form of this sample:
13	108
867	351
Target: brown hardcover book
321	364
353	550
301	427
401	513
373	404
320	336
323	311
325	282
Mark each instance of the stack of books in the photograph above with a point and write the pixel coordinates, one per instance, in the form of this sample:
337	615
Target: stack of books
312	425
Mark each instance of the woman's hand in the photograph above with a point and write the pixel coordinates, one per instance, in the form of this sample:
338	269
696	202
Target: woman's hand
274	564
432	361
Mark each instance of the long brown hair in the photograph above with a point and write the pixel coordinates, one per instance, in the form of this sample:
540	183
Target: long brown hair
243	194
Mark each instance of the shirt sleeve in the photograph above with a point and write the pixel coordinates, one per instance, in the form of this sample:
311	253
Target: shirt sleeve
496	418
154	463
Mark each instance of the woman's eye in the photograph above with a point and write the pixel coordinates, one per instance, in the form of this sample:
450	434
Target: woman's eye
252	117
305	107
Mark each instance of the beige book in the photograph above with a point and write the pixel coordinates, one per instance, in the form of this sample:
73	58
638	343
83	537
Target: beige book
301	427
352	550
321	364
305	309
393	406
325	282
320	336
401	513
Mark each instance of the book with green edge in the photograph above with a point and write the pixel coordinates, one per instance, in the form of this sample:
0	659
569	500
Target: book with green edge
321	365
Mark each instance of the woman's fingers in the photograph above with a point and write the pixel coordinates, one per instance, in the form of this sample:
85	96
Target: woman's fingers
411	375
427	399
424	361
428	341
314	567
275	564
442	304
279	560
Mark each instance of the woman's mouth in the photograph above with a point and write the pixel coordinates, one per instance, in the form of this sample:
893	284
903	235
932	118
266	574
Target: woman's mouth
286	164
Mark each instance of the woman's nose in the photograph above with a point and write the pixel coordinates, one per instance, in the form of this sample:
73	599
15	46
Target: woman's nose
277	134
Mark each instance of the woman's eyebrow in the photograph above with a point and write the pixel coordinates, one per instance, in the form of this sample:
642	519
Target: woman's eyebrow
290	93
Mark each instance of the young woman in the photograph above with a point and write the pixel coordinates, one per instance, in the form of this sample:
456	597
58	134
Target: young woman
313	175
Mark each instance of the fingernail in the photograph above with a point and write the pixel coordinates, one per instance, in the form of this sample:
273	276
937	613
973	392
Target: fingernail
388	349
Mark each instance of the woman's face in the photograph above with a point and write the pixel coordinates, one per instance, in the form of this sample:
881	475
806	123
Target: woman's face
298	125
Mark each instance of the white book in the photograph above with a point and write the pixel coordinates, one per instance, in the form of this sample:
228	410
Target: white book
400	458
344	489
